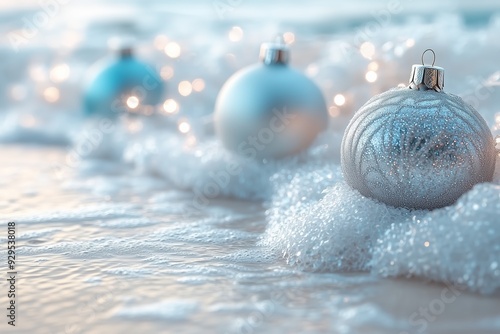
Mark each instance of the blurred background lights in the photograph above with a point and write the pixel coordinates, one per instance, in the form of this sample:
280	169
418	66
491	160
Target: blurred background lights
59	73
367	50
399	51
494	79
339	100
160	42
170	106
132	102
185	88
184	126
334	111
373	66
173	50
235	34
371	76
198	85
51	94
167	72
289	37
410	42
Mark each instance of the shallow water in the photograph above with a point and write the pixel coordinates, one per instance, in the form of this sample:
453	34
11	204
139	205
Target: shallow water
120	257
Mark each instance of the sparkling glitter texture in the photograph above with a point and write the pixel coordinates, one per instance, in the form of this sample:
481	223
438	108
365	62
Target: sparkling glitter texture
417	149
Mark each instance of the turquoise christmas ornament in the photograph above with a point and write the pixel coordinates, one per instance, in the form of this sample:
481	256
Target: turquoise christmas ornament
121	84
269	110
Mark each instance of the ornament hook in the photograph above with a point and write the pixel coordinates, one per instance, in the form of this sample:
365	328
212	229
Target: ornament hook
433	56
427	77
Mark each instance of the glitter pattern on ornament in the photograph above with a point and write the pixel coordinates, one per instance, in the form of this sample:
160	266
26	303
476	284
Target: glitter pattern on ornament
416	149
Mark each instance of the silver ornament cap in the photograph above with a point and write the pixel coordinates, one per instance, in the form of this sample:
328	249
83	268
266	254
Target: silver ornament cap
425	77
122	47
275	53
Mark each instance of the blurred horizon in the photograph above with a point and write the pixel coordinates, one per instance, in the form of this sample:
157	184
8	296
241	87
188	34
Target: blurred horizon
140	18
240	9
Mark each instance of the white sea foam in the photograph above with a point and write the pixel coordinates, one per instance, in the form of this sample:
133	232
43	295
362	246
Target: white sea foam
459	244
328	226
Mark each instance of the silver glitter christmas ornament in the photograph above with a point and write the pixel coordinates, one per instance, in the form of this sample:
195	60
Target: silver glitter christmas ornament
269	110
417	147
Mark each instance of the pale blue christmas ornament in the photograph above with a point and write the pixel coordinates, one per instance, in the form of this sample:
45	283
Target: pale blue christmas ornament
121	84
417	147
269	110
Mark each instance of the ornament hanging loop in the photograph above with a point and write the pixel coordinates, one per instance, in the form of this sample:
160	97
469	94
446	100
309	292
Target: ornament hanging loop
433	56
427	77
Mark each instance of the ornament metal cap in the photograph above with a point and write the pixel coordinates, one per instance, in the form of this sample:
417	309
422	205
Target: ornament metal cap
275	53
122	46
427	77
125	52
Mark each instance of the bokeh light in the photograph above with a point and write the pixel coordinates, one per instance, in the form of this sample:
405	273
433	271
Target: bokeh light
235	34
198	85
167	72
371	76
160	42
339	100
185	88
367	50
373	66
289	37
173	50
51	94
170	106
132	102
184	126
59	73
334	111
